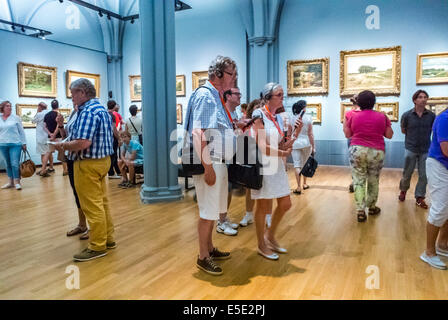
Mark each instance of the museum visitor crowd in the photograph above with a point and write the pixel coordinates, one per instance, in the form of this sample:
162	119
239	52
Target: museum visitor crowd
95	143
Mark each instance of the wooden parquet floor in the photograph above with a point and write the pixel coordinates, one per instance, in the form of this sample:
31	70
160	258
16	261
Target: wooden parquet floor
329	251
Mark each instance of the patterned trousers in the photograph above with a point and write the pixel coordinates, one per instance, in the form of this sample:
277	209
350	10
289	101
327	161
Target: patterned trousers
366	167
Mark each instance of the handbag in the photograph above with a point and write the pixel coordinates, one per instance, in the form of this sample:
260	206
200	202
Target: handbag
140	136
310	167
27	166
246	171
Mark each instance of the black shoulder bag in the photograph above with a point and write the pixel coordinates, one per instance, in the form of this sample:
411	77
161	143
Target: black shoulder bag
310	167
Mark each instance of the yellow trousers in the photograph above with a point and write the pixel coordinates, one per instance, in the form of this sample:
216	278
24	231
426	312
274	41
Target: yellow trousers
90	183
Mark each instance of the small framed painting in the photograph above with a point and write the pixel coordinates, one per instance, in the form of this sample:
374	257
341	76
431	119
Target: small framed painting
65	113
308	77
180	86
345	106
199	78
432	68
37	81
390	109
437	104
135	87
179	113
26	112
315	111
71	76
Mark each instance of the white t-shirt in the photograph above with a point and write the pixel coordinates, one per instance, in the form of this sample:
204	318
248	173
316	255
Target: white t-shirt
303	140
41	134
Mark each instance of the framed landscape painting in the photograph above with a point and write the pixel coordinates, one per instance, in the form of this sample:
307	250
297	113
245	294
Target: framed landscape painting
345	106
390	109
199	78
179	113
432	68
308	77
315	111
180	86
378	70
135	86
437	104
26	112
37	81
65	113
71	76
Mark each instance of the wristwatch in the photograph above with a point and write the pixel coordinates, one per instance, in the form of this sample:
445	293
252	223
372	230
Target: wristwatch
61	127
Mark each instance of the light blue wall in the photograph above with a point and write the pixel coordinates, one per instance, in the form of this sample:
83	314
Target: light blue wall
322	28
19	48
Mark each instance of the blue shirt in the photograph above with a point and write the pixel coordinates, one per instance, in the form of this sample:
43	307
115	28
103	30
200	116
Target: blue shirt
134	146
439	134
93	123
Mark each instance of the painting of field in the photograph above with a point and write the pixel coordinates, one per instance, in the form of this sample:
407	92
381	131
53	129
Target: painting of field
72	76
26	112
37	81
309	77
432	68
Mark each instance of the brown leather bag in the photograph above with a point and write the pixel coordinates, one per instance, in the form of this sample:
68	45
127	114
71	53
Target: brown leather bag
27	167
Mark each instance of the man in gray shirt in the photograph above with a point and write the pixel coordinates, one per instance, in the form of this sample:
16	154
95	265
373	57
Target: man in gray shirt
416	124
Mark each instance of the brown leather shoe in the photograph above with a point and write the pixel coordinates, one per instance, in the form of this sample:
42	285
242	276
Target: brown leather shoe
421	203
402	196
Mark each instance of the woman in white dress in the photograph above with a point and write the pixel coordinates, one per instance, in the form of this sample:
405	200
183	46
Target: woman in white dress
304	144
271	142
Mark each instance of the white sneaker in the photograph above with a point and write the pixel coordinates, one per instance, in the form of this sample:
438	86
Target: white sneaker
115	177
248	219
225	228
231	224
18	186
7	186
268	220
433	261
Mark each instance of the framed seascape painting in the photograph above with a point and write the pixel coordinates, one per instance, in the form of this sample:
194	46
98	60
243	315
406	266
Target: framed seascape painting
71	76
315	111
37	81
135	86
437	104
345	106
179	113
390	109
378	70
26	112
65	113
308	77
180	86
432	68
199	78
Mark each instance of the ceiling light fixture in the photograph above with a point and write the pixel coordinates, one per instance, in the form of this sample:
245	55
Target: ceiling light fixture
100	13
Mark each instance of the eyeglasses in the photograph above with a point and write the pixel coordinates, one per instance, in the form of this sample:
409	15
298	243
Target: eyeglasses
230	73
278	95
237	93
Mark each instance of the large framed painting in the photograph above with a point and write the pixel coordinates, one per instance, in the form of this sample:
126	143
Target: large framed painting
437	104
199	78
345	107
65	113
179	113
26	112
135	86
71	76
308	77
180	86
390	109
37	81
432	68
378	70
315	111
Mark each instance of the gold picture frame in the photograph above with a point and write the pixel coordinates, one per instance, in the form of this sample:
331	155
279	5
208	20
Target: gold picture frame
179	113
345	106
437	104
37	81
432	68
390	109
135	87
71	76
198	78
180	86
308	77
26	112
378	70
66	112
315	111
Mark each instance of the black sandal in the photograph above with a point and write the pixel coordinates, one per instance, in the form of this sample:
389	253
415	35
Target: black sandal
374	211
361	216
297	191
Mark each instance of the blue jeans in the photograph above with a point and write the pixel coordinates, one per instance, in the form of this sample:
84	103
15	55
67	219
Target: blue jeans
410	160
11	154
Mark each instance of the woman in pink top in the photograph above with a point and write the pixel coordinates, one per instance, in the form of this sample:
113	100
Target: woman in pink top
367	130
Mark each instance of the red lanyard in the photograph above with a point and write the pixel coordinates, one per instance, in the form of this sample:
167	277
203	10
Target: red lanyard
274	120
224	106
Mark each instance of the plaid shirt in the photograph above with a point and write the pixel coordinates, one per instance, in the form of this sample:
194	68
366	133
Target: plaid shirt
92	123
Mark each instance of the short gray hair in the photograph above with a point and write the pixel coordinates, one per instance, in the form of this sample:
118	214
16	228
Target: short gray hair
218	65
268	89
84	85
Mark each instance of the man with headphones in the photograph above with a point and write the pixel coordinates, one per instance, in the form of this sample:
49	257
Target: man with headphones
212	121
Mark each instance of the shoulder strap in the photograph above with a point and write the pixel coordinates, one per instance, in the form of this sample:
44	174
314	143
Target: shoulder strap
133	126
189	111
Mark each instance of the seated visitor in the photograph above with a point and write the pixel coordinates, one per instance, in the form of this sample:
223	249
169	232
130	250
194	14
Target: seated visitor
130	158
